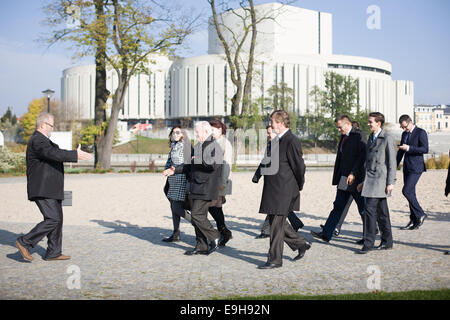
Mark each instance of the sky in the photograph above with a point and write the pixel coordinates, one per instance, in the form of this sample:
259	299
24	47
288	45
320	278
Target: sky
414	37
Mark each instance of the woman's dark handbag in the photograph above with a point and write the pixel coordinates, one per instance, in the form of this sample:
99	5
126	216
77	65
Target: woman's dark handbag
166	187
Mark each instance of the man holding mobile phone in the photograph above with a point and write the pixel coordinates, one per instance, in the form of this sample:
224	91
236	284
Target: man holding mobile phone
413	146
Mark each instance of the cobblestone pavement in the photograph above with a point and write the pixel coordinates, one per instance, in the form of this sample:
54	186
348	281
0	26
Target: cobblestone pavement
115	259
119	261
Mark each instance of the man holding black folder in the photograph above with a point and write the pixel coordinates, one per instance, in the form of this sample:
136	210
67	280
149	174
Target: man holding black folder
348	173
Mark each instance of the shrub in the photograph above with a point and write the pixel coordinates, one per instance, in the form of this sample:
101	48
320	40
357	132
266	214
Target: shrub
431	163
443	161
11	162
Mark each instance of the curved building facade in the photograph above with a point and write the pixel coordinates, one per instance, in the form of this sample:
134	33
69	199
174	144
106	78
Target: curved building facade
295	48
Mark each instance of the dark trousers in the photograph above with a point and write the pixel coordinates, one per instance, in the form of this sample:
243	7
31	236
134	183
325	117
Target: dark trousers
51	227
217	214
295	221
342	198
377	211
178	212
204	231
409	191
344	213
280	232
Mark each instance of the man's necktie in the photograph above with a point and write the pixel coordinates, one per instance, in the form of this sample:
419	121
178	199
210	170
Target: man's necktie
407	137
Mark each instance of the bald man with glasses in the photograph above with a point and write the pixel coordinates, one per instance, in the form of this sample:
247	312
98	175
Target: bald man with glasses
45	186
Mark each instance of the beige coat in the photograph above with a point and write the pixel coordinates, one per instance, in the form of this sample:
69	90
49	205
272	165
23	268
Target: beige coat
225	178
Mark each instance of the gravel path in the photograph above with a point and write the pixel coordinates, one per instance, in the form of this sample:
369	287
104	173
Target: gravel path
115	259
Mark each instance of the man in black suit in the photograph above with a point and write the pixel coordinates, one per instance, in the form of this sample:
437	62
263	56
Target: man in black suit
348	173
292	217
413	145
205	171
283	182
447	182
45	186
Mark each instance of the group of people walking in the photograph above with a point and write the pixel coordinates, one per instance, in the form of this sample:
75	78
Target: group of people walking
199	179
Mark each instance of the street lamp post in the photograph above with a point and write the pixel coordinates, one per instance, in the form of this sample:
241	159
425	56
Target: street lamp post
48	93
268	110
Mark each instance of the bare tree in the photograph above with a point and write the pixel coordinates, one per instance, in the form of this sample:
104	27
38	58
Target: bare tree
124	33
240	61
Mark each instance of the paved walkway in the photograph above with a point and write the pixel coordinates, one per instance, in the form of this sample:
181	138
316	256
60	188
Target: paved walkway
116	260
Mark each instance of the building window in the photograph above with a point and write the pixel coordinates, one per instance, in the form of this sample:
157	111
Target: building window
196	91
149	93
139	95
225	102
187	90
262	87
207	90
154	94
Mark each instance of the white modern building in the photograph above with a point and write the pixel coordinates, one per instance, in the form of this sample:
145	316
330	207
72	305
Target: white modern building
295	48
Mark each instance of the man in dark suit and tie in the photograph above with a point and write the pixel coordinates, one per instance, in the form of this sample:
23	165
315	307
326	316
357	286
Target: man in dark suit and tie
283	182
348	173
413	145
45	186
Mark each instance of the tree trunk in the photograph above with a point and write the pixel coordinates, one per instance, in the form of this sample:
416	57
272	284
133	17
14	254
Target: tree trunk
106	143
246	102
101	93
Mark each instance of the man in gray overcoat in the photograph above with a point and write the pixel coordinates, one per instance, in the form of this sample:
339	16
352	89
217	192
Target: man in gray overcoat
381	167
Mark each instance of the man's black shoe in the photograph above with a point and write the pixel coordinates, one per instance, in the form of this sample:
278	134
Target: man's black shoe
383	246
422	219
360	241
195	251
365	250
269	266
408	226
213	245
319	235
301	251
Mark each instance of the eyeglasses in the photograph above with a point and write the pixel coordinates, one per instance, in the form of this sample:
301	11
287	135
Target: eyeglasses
404	127
176	132
49	124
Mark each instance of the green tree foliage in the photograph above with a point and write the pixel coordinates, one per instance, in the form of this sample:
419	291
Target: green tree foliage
132	32
88	133
28	121
339	96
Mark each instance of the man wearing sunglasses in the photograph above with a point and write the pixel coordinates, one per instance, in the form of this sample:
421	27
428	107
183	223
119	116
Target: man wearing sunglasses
45	186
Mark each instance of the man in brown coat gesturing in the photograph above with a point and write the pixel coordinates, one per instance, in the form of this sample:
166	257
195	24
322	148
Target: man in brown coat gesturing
283	182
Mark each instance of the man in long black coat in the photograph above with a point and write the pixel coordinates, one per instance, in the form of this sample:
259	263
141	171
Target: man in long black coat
45	186
281	192
296	223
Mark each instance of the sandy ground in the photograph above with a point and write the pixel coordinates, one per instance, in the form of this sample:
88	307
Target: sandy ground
114	229
138	199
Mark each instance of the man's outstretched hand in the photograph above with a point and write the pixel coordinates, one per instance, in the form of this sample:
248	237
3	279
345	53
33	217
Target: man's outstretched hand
83	155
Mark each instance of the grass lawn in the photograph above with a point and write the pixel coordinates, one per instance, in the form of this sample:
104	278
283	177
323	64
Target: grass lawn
441	294
144	145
